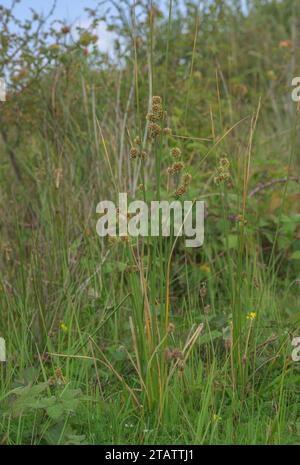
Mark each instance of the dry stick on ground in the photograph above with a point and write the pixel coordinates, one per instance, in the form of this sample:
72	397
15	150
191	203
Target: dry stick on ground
266	185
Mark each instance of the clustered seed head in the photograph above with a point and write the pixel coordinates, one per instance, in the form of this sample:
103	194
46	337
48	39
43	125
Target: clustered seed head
154	130
203	292
180	191
65	29
177	167
256	282
137	140
156	108
175	354
224	162
112	240
207	309
133	152
137	153
176	152
187	178
171	328
156	100
221	177
228	343
151	117
223	172
156	113
181	366
168	355
168	131
131	268
241	219
57	379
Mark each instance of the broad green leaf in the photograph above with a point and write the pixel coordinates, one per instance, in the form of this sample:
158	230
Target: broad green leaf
295	255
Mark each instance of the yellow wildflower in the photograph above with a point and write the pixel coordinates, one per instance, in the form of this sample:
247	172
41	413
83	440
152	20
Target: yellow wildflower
63	327
205	268
251	316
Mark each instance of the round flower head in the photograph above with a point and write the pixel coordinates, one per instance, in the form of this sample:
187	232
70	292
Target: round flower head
177	167
151	117
157	111
176	152
180	191
156	100
143	155
224	162
187	179
155	130
168	131
133	152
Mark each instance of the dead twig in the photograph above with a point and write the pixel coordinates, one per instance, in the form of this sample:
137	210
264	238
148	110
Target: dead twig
262	186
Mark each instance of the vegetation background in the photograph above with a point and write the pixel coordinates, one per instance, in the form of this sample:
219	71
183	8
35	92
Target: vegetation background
146	341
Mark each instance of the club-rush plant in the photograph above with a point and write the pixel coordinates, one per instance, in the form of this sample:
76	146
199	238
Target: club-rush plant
151	227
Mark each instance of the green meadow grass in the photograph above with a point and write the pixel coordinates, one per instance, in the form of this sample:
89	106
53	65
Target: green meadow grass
145	341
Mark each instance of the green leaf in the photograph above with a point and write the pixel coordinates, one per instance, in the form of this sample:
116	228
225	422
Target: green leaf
232	241
295	255
210	337
55	411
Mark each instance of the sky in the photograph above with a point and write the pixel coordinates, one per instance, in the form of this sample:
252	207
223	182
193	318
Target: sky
72	11
65	9
69	10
